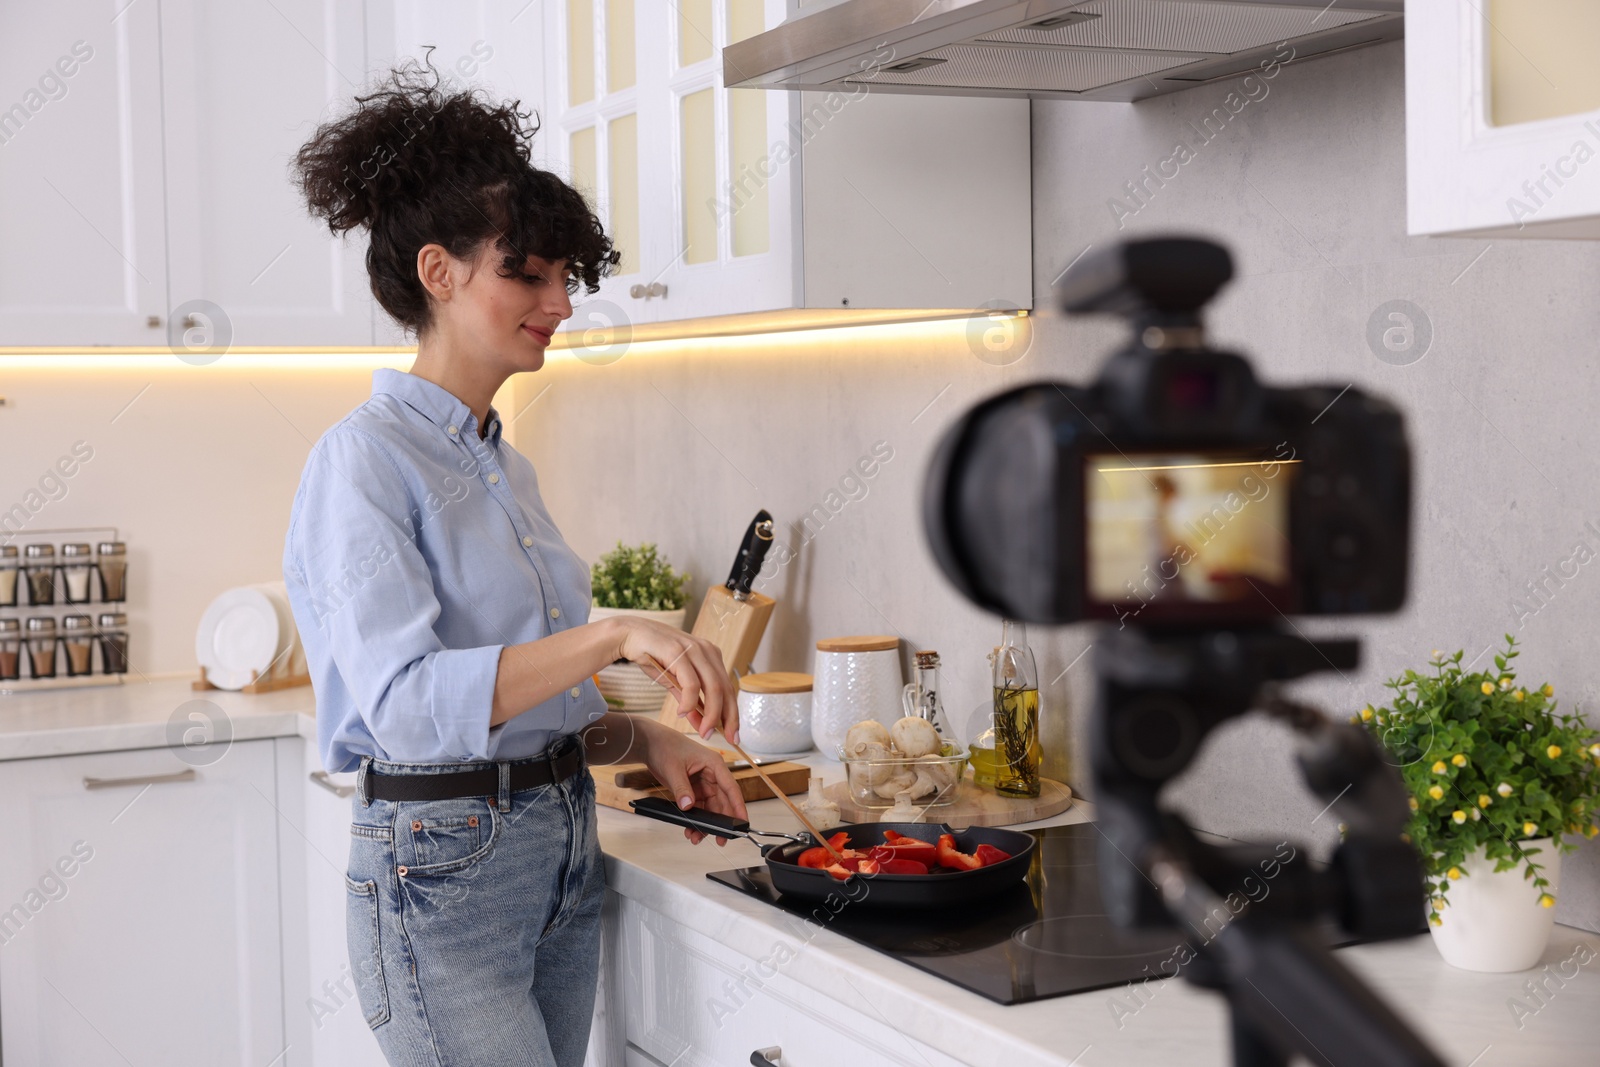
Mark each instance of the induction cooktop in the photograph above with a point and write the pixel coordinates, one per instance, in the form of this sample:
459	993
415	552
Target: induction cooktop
1046	937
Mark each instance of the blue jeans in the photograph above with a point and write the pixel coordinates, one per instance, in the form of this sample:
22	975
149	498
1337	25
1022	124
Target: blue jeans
474	924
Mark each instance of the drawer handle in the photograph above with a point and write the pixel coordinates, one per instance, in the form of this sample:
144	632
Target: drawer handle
341	791
767	1057
139	779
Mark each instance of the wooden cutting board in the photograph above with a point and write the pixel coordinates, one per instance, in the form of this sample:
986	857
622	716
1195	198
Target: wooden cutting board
615	785
972	807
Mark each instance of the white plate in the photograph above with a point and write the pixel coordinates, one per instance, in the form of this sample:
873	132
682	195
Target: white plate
241	632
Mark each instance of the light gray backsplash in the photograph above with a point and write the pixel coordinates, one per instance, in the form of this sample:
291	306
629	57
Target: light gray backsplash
1306	184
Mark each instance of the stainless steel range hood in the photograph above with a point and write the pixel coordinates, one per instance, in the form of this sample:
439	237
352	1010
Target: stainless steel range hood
1068	49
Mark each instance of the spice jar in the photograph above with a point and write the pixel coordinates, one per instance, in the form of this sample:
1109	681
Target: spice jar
77	638
9	569
113	568
41	642
39	568
113	642
76	567
10	649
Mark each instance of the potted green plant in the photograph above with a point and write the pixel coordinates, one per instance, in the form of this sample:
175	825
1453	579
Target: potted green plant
635	580
1496	778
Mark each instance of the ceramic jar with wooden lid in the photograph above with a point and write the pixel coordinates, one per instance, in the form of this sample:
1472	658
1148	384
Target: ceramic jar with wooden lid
856	678
775	713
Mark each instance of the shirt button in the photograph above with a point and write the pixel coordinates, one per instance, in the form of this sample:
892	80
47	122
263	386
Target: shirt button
576	691
452	430
527	542
494	479
555	613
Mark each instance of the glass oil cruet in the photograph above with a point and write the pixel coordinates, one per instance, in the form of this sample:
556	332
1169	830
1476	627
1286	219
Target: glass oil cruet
1016	715
920	699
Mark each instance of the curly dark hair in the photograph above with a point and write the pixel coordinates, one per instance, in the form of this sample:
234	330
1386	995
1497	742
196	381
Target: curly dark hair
416	163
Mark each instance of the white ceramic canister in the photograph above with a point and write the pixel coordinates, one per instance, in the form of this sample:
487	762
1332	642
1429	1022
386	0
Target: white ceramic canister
856	678
775	713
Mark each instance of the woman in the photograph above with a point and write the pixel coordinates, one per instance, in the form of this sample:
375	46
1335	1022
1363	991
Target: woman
443	616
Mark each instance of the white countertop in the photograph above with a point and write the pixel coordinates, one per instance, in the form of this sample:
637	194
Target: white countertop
1466	1016
153	713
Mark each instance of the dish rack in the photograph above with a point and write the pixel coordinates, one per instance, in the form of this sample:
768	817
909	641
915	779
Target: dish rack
93	606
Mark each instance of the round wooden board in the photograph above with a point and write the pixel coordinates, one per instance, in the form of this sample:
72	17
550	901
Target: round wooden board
972	806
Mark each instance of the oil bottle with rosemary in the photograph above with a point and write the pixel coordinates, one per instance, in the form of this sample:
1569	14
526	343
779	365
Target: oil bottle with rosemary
1016	715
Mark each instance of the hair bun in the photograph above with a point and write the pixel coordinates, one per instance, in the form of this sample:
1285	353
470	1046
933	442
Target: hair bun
416	162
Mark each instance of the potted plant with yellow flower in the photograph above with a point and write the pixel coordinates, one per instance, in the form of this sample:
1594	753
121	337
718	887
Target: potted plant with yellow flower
1496	778
635	580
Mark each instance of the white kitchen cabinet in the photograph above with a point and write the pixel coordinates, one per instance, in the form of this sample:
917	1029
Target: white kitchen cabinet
325	1011
147	194
139	909
688	1000
1503	118
244	86
728	201
83	256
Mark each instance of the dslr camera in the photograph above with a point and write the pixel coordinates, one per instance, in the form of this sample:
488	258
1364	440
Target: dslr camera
1177	489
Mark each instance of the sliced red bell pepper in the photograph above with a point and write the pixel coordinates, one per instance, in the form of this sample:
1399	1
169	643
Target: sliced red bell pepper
853	865
922	852
950	856
819	857
987	854
895	866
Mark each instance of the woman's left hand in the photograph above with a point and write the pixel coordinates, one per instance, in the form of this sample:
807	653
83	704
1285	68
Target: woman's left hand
693	774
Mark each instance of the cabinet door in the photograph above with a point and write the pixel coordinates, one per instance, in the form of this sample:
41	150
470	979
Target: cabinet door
691	1001
600	89
727	213
340	1036
245	85
140	898
82	253
1503	118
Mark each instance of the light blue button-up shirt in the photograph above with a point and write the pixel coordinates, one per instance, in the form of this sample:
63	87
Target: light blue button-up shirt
416	552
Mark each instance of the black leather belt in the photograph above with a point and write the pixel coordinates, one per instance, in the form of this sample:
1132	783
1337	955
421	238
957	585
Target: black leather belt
453	785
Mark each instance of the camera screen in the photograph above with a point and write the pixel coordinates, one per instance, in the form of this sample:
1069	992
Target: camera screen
1186	534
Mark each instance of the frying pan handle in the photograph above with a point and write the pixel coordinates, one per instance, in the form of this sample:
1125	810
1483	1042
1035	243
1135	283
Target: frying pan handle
703	819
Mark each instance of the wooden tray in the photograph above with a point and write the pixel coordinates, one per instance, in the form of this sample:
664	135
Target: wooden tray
972	807
617	784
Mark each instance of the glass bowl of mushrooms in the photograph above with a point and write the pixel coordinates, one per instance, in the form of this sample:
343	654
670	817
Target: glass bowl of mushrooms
910	757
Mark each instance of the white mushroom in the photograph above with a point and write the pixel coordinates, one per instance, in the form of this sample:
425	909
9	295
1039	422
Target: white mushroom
904	778
933	776
915	737
873	765
866	732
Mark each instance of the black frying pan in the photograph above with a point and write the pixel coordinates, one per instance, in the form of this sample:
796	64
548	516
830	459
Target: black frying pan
938	890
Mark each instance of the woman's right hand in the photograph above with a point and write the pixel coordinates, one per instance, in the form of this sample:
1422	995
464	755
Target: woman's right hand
690	666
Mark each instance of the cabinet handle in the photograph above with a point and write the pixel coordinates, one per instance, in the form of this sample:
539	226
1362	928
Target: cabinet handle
767	1057
139	779
645	292
341	791
153	322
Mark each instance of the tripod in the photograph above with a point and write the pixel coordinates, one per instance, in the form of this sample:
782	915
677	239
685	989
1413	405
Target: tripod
1159	694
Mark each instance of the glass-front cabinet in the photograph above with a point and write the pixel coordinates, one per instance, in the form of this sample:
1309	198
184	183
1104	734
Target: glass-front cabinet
1503	118
729	201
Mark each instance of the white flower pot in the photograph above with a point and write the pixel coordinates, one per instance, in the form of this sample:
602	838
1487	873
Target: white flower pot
626	682
1493	921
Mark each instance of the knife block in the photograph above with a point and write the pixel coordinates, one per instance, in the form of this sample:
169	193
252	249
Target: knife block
736	628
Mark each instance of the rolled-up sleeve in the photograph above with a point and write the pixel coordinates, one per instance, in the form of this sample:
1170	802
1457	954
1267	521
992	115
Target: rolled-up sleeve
372	599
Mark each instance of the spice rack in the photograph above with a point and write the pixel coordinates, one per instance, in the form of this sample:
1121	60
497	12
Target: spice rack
50	645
